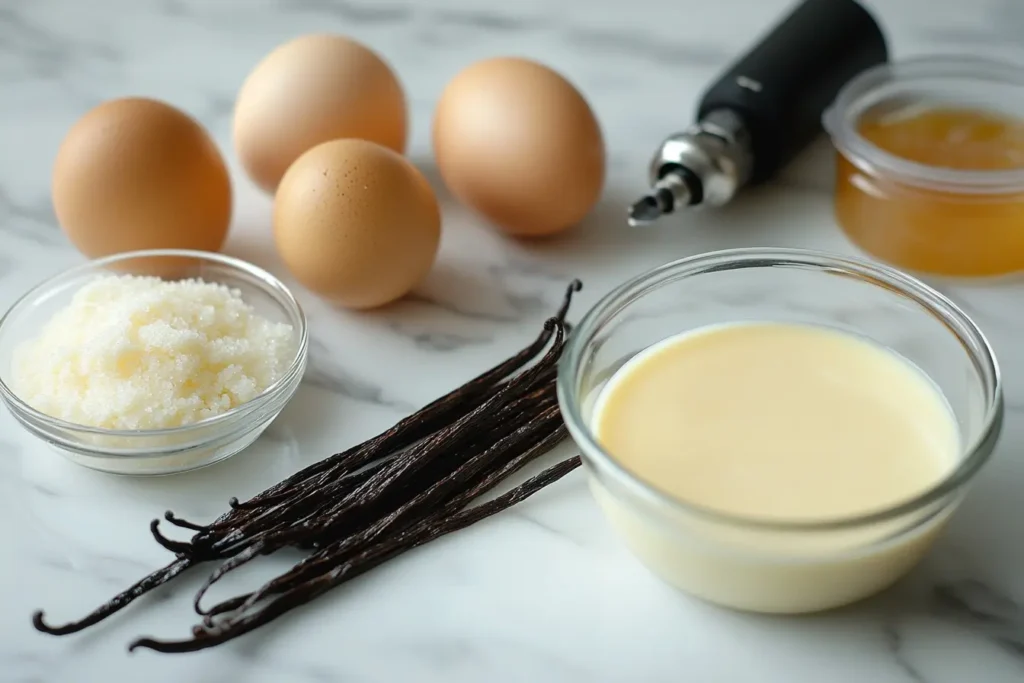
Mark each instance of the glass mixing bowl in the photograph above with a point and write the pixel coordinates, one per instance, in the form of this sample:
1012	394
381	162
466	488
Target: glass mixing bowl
156	451
779	566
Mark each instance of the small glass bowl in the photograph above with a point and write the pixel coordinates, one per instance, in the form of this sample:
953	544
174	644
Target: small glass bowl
767	565
156	451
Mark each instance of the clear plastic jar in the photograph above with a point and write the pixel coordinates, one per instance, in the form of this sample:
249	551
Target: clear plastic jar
940	218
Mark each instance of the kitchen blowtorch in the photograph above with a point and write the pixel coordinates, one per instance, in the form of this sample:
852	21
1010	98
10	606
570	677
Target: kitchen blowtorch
764	109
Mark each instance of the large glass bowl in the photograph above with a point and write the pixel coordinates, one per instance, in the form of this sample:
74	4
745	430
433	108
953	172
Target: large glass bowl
780	566
156	451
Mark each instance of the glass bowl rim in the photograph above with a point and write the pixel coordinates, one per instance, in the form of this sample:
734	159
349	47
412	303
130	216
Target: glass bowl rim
870	158
266	282
974	454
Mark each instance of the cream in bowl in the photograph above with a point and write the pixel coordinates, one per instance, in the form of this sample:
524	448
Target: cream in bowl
779	430
152	362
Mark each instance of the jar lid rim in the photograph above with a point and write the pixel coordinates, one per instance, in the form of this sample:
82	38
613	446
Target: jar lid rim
890	80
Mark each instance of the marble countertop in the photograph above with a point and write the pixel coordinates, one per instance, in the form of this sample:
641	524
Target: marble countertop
543	592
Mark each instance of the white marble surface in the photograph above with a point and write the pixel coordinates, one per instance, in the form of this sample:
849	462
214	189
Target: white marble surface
540	593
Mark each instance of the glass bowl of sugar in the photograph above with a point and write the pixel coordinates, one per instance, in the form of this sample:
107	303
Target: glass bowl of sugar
152	362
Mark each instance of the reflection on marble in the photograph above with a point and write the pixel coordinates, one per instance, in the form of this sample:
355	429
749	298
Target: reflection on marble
542	592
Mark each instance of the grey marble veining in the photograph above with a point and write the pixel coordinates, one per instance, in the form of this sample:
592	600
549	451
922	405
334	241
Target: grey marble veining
543	592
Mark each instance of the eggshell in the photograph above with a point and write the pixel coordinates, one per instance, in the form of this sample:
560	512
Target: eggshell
137	173
519	144
356	223
310	90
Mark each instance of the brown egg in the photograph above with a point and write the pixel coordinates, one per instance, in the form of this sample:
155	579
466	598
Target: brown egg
356	223
519	144
310	90
139	174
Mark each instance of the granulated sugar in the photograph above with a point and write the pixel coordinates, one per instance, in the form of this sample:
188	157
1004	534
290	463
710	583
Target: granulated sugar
133	352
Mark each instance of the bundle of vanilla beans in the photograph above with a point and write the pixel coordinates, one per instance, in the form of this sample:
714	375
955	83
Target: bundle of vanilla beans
355	510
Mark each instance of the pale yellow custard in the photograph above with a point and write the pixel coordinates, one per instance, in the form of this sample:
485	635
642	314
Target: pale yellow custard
776	423
774	420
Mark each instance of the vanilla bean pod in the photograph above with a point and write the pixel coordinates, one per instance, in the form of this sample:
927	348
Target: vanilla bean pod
359	457
422	506
407	430
372	557
423	422
219	540
523	409
430	417
452	515
409	463
117	603
505	420
354	507
326	557
340	520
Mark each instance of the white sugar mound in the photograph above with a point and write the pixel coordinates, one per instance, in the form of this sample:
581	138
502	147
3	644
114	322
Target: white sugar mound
135	353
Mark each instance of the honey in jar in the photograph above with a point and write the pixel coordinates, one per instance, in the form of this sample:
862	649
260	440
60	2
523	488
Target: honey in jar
927	182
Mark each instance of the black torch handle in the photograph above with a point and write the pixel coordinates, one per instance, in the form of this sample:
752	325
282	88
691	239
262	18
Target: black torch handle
781	87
